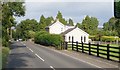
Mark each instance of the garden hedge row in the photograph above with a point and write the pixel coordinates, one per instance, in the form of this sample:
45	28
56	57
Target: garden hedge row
104	38
44	38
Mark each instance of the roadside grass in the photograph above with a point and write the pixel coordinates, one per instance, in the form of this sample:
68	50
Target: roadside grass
101	51
5	52
0	60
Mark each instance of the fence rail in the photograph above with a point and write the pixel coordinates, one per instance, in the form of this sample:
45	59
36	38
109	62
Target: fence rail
108	52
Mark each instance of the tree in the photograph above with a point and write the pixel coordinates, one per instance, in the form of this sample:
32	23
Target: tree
60	17
117	25
109	27
71	22
42	22
45	22
10	9
90	25
79	25
117	14
26	27
117	8
49	20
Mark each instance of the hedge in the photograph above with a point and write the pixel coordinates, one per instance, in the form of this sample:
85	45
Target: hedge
109	38
44	38
104	38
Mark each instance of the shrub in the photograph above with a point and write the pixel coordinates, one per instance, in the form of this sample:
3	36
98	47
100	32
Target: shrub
92	37
108	38
45	38
5	52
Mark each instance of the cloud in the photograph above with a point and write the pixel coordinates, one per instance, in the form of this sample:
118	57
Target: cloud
75	10
69	0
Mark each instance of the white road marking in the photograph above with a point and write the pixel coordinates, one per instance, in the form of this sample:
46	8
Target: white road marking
52	67
30	50
40	57
76	58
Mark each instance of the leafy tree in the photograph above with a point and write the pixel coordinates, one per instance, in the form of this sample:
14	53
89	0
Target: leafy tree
109	27
60	17
90	25
45	22
117	25
26	27
49	20
79	25
10	9
117	13
117	8
42	22
71	22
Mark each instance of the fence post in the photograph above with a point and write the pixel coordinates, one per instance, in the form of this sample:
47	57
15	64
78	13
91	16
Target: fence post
72	43
108	50
89	48
66	45
77	46
97	49
82	48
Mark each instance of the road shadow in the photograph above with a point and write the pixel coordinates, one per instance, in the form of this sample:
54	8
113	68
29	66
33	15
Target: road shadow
15	45
18	60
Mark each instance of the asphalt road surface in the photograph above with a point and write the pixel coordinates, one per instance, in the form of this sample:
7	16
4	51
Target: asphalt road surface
27	55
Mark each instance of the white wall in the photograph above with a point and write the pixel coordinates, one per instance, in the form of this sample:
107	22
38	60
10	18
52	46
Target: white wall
56	28
77	33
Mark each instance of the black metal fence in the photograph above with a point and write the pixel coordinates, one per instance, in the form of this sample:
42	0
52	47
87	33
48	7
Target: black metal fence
105	51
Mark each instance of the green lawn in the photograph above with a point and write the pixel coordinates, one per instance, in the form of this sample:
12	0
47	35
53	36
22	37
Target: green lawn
104	48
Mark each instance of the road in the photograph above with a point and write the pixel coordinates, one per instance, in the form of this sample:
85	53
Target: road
28	55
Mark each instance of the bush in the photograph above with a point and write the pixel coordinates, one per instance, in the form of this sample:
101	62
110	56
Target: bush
108	38
92	37
47	39
5	52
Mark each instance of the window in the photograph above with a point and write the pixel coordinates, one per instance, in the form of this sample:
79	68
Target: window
81	39
84	39
69	38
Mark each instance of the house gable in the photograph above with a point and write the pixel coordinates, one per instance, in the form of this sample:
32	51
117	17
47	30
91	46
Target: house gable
77	35
56	28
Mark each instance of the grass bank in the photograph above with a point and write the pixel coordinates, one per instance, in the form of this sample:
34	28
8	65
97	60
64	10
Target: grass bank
4	55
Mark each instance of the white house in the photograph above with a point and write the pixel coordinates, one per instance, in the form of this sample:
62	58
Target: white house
68	32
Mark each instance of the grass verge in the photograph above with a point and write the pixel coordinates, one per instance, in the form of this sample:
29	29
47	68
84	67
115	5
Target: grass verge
4	55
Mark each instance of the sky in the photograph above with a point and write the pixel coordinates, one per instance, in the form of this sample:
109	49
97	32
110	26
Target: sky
74	9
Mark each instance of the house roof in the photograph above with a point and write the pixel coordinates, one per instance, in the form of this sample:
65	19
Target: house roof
49	25
68	25
53	23
67	31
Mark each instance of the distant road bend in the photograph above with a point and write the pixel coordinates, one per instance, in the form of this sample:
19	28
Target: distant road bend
29	55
